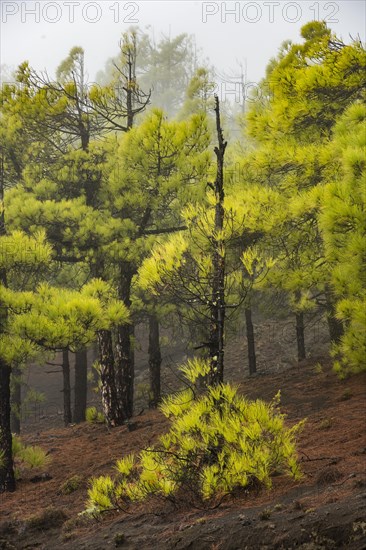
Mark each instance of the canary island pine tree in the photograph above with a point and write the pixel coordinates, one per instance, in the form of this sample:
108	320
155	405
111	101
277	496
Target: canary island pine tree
43	318
307	88
342	221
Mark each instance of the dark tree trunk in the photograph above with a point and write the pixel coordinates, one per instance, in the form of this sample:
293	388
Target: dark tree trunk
125	369
335	326
110	403
125	375
7	478
154	361
300	336
95	356
66	387
252	360
16	401
130	86
217	323
81	385
336	329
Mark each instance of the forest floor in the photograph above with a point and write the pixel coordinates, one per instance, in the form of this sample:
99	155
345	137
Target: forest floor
326	509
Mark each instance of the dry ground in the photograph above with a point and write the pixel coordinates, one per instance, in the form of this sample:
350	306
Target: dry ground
327	509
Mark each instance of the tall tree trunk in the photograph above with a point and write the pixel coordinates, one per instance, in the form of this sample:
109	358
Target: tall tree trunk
252	360
154	361
335	326
130	87
7	477
217	308
110	403
300	336
16	400
81	385
95	356
125	368
66	387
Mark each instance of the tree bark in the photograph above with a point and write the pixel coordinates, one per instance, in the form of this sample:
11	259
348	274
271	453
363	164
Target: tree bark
335	326
110	403
16	401
300	336
154	361
66	387
217	324
125	368
7	477
252	360
81	385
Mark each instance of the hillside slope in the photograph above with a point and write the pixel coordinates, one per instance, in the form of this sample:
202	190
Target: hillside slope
327	509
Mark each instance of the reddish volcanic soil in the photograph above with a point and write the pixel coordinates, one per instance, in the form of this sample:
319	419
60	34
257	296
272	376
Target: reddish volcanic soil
327	509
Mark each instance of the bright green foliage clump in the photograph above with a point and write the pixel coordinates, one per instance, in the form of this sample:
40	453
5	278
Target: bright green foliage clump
26	456
218	442
93	416
29	456
342	220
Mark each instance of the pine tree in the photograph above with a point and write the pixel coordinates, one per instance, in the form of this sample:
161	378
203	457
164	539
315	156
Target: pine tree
201	267
306	88
155	168
63	187
342	221
41	318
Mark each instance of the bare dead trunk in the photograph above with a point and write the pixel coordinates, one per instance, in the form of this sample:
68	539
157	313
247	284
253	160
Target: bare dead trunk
81	385
252	360
154	361
66	387
217	308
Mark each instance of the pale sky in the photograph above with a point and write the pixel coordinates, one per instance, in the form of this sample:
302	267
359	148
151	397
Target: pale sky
228	33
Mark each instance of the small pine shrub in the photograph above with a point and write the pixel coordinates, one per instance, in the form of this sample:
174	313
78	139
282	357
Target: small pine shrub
34	457
346	395
71	485
28	456
218	442
318	369
325	424
17	446
93	416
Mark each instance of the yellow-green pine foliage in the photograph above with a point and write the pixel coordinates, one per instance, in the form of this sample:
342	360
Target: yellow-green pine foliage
308	85
290	123
47	317
218	442
343	223
153	171
199	94
56	197
28	456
